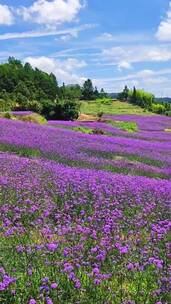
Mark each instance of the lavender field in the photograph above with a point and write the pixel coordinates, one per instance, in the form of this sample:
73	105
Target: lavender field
84	211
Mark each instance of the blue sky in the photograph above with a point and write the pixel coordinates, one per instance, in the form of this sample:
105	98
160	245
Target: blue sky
112	42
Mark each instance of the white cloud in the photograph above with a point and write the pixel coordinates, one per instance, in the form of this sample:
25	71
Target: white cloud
135	54
73	32
124	65
123	38
6	16
65	70
106	37
164	29
157	82
51	13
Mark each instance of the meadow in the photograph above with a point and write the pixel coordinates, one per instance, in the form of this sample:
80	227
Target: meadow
84	210
108	106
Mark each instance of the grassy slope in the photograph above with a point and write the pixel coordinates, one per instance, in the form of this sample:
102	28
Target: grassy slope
115	108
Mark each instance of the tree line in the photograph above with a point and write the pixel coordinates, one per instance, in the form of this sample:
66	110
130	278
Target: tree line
145	100
24	88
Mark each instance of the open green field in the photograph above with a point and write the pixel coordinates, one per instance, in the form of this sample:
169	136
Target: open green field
112	107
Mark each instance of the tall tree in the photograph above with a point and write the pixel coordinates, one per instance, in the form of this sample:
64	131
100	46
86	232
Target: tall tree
124	94
88	90
133	98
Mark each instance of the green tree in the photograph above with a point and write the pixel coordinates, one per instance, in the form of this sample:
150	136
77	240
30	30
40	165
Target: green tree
103	94
133	98
96	93
88	90
124	94
62	110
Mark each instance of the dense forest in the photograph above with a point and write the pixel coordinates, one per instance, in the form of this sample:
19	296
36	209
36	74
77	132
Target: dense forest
24	88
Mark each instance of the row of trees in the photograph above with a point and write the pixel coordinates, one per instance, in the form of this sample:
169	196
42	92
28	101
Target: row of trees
145	100
24	88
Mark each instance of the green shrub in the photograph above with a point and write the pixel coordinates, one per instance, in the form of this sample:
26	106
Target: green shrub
83	130
6	115
168	113
100	114
98	132
61	110
129	126
34	117
104	101
158	108
5	105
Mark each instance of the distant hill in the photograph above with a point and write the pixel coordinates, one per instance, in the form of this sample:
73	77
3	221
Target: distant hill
113	95
164	99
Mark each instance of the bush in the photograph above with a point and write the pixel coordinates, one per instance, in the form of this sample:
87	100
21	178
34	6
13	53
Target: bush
105	101
168	113
158	108
83	130
100	114
61	110
35	118
129	126
98	132
5	105
6	115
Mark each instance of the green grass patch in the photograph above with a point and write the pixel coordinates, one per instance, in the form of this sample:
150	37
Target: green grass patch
22	151
129	126
34	117
111	107
84	130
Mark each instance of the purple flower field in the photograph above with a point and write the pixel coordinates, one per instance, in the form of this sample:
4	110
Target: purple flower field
84	218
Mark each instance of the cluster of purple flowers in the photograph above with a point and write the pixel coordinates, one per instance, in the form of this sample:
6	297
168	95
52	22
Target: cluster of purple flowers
146	152
102	234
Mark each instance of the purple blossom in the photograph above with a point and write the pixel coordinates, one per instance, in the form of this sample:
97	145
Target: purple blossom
32	301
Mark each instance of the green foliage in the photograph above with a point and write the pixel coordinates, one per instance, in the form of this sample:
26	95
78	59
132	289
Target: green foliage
61	109
88	90
158	108
6	115
22	83
87	130
23	151
83	130
4	105
129	126
105	101
141	98
70	92
100	114
114	107
168	113
34	117
103	94
24	88
123	96
145	100
99	132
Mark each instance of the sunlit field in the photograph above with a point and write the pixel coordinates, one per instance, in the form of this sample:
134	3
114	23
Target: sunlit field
115	107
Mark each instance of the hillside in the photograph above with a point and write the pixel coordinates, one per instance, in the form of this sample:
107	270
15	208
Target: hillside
111	107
